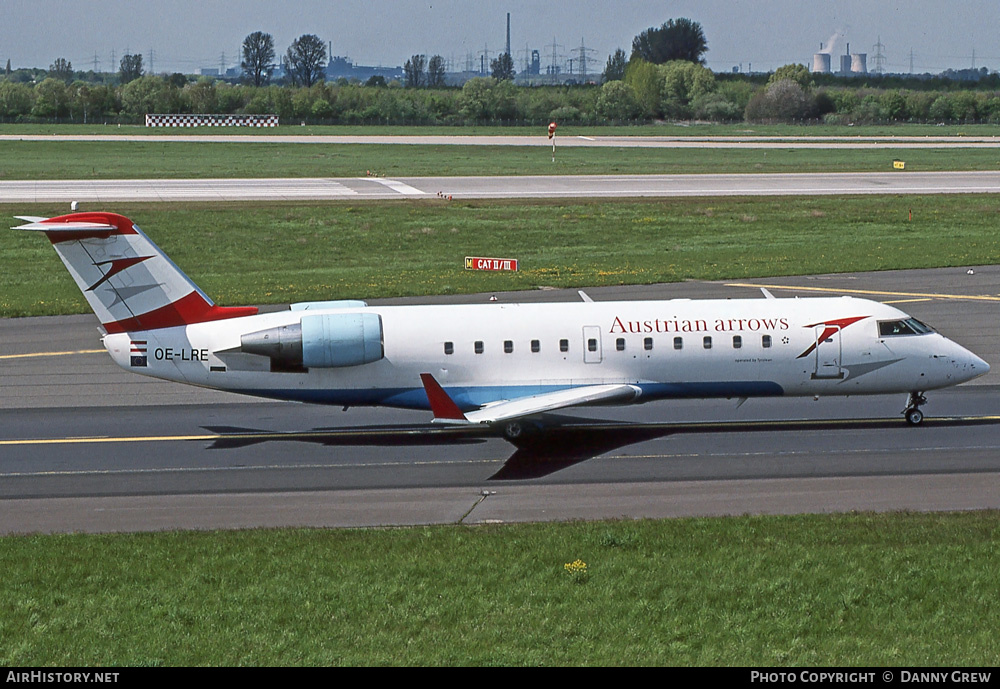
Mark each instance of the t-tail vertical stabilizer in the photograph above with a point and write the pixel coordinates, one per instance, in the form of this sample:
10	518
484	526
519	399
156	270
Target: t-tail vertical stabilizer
128	281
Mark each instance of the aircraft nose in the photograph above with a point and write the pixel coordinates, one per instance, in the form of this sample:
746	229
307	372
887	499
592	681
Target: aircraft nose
971	366
980	365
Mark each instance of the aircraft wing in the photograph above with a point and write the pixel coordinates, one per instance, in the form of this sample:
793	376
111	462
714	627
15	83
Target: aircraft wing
446	411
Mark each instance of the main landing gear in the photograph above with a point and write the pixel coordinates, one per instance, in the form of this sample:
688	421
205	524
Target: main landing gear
912	412
519	431
513	430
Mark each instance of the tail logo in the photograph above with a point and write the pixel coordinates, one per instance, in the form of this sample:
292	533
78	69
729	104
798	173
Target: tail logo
117	266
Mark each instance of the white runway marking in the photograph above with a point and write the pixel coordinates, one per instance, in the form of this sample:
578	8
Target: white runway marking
396	185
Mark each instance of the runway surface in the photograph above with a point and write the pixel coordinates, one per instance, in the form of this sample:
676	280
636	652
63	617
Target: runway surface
85	446
540	186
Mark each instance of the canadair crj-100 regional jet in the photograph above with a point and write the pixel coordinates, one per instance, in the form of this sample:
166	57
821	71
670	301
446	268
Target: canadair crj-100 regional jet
495	364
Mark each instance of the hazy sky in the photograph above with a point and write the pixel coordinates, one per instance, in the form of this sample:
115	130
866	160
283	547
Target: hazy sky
186	35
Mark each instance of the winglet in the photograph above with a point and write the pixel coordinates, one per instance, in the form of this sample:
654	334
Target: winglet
442	405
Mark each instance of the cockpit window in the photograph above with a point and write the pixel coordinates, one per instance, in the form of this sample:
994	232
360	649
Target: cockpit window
908	326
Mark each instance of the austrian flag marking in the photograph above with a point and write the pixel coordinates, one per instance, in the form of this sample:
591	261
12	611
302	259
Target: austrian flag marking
138	353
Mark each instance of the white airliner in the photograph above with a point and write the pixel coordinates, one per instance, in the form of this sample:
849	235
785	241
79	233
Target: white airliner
494	363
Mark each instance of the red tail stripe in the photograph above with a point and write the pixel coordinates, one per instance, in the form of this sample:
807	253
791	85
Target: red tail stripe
187	310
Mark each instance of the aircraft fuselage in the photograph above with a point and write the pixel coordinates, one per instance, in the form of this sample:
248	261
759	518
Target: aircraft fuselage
482	353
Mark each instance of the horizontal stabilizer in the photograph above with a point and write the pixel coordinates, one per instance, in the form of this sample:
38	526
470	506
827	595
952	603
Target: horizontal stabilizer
83	227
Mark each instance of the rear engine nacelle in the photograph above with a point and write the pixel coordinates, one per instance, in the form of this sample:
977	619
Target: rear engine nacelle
321	341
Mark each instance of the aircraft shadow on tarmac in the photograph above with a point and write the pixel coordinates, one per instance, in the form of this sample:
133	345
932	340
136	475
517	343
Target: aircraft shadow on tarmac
559	442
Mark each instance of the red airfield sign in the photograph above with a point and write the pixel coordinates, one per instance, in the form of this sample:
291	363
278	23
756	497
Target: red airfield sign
477	263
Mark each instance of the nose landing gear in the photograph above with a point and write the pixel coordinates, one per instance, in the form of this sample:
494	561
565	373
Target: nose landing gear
912	412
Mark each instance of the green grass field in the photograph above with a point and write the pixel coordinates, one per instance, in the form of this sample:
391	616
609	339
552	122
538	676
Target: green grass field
284	252
40	160
901	590
565	130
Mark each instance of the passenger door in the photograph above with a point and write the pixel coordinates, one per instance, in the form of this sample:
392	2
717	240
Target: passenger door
829	352
592	353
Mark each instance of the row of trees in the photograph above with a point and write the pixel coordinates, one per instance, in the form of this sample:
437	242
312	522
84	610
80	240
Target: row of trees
305	62
414	75
305	59
647	92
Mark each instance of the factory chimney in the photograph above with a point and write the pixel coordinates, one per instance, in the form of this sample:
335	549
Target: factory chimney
508	33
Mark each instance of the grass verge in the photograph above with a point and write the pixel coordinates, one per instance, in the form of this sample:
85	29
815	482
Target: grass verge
565	130
41	160
908	590
283	252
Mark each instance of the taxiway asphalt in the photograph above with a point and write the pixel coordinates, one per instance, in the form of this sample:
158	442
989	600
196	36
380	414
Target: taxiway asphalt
85	446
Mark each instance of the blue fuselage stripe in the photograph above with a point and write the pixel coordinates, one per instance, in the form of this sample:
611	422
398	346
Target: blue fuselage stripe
475	396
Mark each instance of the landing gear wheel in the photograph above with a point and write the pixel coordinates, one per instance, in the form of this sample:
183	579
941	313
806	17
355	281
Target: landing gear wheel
913	415
513	430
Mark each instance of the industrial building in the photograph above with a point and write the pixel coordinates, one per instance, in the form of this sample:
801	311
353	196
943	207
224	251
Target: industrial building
851	64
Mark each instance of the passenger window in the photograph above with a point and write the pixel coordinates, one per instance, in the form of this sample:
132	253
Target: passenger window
449	347
563	345
737	342
536	346
479	347
592	344
620	344
707	342
765	341
508	346
647	344
678	343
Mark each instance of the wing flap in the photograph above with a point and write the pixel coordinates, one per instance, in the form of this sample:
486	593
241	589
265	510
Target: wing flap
550	401
446	411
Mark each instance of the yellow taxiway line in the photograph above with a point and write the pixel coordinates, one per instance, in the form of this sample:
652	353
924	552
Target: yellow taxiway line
37	354
871	292
308	435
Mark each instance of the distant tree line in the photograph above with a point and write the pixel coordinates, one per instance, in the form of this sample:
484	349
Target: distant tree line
663	78
647	93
